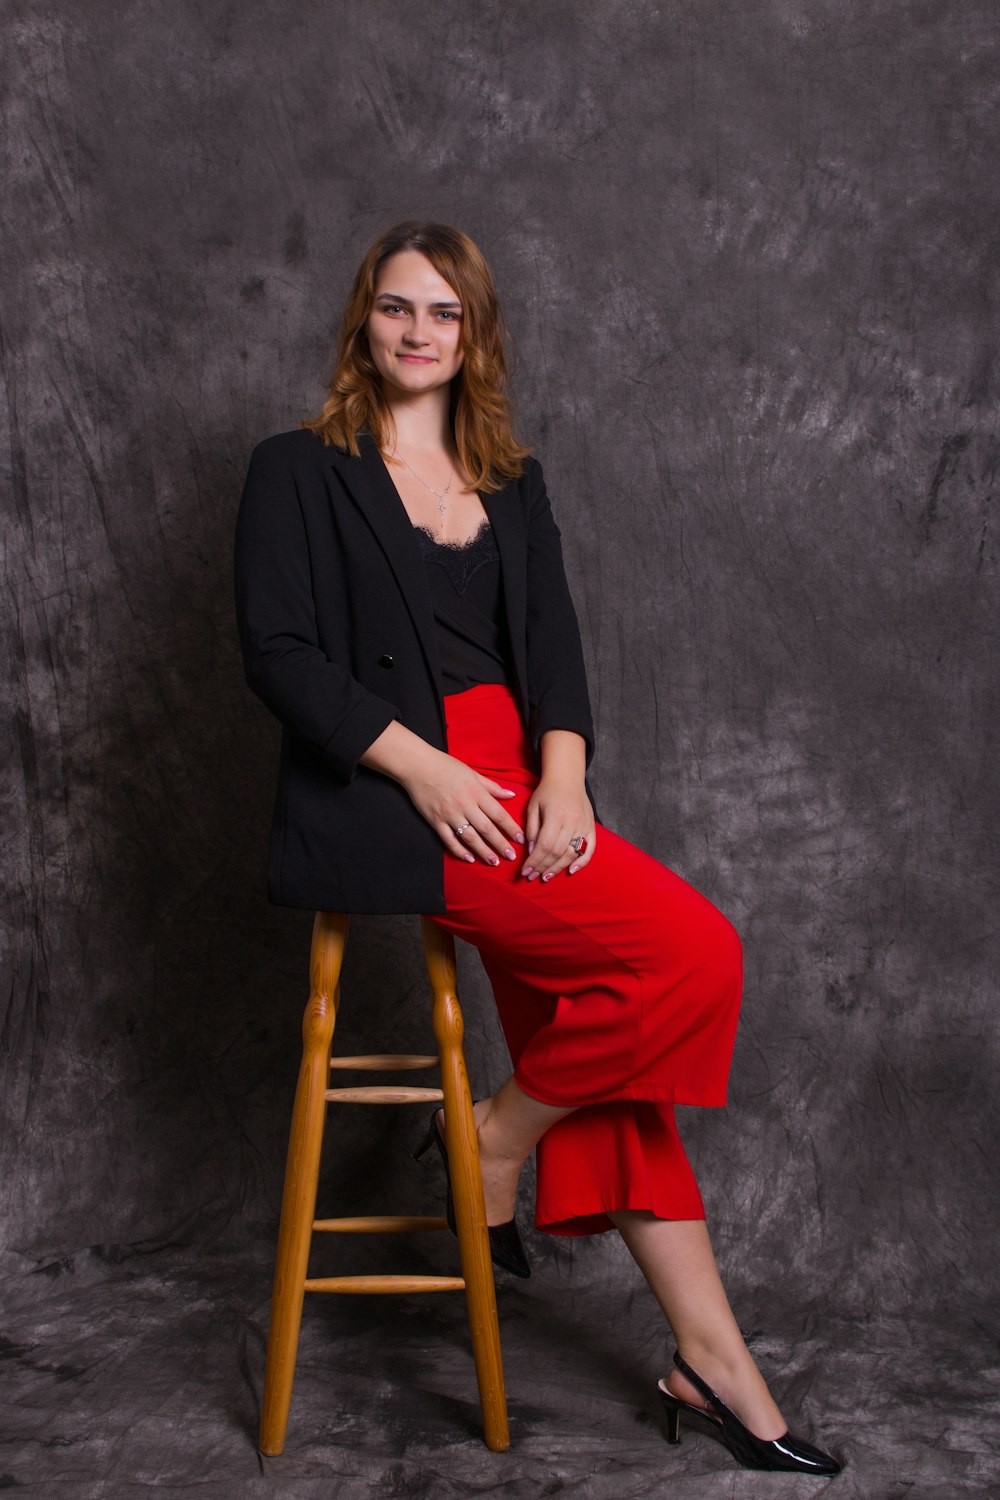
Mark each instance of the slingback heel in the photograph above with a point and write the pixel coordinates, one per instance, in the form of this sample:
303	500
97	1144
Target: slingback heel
506	1247
788	1454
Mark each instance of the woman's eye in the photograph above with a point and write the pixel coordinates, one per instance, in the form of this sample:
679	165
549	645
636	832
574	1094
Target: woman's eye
452	317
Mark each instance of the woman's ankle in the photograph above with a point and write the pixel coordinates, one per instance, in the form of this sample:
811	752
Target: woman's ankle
736	1379
494	1141
500	1172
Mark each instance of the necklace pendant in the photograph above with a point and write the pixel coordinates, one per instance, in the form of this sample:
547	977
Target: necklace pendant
439	495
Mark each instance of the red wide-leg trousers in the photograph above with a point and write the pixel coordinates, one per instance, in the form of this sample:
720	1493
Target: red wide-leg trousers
618	990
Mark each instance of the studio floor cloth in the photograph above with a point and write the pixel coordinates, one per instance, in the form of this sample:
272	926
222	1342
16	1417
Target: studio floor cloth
618	991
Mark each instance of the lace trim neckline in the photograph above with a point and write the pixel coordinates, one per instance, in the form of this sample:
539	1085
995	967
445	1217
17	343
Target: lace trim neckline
455	546
460	561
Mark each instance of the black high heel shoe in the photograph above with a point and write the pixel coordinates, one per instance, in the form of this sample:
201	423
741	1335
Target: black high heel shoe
786	1453
506	1249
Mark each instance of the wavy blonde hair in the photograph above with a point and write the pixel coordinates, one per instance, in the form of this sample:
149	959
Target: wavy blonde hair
480	404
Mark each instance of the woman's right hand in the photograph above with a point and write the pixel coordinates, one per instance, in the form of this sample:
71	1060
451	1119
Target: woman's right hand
451	795
448	793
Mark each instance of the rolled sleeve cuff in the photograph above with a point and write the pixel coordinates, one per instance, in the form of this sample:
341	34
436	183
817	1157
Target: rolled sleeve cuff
359	729
565	713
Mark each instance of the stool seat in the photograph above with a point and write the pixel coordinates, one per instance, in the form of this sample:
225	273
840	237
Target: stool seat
298	1206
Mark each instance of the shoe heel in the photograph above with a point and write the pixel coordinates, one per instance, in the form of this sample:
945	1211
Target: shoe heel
673	1417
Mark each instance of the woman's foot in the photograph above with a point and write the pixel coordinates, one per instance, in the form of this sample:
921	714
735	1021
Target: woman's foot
741	1386
785	1452
500	1174
506	1249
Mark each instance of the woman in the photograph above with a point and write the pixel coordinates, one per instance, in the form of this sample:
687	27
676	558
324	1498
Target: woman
404	612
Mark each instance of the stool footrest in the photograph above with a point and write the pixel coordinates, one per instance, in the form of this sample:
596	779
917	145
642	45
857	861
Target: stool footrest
382	1095
385	1284
387	1061
381	1224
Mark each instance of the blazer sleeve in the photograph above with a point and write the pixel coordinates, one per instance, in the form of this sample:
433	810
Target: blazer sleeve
315	697
557	676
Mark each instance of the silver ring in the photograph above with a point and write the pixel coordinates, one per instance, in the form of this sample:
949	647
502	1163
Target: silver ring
575	843
460	831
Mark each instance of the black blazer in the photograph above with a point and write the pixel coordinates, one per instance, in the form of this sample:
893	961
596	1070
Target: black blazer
338	639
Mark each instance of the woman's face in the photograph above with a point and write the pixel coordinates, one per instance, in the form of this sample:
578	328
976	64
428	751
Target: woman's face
415	325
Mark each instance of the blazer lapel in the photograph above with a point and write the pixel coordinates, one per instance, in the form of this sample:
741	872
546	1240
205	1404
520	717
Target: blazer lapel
367	479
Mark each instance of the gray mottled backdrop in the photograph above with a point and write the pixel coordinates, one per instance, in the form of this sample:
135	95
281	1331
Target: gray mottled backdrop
749	256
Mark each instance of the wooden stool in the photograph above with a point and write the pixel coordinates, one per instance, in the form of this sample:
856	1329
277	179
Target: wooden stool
298	1205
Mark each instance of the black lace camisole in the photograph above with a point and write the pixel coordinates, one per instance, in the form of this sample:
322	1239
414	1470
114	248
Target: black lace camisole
466	592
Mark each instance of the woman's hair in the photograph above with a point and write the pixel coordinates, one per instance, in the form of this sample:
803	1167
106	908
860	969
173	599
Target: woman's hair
480	406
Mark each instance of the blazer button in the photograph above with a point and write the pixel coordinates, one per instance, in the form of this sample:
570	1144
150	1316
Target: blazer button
386	661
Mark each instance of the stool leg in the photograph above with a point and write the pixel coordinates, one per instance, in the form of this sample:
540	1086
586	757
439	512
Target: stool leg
467	1187
298	1204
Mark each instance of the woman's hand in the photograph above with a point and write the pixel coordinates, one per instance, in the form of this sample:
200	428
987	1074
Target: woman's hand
559	810
452	796
448	793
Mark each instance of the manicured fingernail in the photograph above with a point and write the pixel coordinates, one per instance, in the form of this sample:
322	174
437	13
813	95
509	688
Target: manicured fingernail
531	846
527	872
470	859
573	869
509	854
494	859
519	837
547	876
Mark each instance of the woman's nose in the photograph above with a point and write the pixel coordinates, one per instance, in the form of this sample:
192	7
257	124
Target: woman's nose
417	332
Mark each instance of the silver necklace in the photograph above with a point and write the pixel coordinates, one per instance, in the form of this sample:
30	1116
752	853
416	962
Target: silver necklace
439	495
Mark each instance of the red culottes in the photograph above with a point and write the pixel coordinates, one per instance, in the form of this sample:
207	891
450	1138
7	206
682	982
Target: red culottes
618	991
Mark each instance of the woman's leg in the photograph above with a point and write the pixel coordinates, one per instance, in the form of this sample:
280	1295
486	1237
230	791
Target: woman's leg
676	1258
674	1255
508	1126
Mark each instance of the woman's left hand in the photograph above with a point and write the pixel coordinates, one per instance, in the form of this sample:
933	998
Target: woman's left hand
559	810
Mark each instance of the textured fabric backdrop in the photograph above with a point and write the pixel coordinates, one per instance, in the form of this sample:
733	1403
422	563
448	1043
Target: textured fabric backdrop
749	256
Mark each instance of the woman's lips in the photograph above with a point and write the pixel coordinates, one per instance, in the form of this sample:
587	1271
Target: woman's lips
416	359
